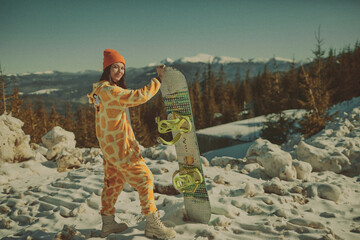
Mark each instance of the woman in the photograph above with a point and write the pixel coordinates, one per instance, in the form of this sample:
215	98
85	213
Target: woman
123	162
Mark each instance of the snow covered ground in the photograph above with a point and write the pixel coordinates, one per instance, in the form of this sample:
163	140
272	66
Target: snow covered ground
244	130
39	202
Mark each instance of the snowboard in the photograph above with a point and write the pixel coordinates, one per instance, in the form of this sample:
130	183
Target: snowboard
190	177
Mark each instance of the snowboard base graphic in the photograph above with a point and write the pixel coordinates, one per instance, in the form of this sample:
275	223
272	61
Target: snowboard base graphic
189	179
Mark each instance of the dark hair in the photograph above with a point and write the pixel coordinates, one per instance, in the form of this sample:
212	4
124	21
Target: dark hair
106	76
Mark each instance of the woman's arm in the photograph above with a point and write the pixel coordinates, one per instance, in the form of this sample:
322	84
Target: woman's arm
117	96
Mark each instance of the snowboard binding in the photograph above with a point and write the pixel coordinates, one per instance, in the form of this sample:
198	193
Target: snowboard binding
186	178
179	123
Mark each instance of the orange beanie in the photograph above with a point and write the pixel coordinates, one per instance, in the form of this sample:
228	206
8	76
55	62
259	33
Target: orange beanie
112	56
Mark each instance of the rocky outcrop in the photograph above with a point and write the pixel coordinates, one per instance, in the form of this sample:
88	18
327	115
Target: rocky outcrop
14	143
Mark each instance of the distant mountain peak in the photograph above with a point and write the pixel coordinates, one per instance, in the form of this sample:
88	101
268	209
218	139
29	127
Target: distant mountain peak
200	58
166	61
206	58
279	59
43	73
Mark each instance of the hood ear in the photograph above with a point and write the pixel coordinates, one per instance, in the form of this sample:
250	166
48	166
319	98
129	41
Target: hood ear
96	89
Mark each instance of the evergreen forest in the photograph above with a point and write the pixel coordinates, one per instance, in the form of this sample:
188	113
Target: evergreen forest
331	78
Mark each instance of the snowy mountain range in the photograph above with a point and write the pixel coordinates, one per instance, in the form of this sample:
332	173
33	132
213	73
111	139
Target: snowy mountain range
60	87
206	58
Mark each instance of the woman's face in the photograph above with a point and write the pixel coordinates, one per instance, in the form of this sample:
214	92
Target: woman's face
117	70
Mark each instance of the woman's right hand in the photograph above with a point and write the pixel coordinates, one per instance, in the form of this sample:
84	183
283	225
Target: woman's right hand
160	71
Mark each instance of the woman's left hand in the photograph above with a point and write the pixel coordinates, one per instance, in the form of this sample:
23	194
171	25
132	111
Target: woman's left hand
160	71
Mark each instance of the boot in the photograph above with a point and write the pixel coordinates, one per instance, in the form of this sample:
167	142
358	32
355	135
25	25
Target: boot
156	229
110	226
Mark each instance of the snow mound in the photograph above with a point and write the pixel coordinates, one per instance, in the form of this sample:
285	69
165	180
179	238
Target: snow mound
276	162
14	144
321	159
61	148
58	139
337	147
160	152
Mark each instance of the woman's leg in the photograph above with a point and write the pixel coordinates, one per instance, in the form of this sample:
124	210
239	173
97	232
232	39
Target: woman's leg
141	178
113	185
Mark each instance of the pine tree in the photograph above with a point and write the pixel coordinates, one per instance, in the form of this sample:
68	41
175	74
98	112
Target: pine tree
90	140
157	109
247	88
16	101
211	108
355	81
346	88
69	123
230	109
81	127
314	86
54	119
4	94
277	100
317	101
198	107
317	85
268	91
204	83
258	90
278	127
355	72
291	88
43	121
30	121
238	75
319	54
330	73
146	117
239	92
219	91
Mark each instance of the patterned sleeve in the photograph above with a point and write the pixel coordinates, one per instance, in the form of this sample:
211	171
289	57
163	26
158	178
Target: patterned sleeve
117	96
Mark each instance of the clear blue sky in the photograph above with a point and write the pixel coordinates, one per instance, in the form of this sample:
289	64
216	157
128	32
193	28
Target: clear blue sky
70	35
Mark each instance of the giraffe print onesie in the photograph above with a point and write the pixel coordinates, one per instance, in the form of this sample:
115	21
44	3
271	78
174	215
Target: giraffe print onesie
122	159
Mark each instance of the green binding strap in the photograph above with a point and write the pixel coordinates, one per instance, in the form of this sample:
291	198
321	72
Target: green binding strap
176	124
186	178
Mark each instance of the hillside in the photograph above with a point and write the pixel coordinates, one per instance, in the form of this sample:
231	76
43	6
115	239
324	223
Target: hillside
60	87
